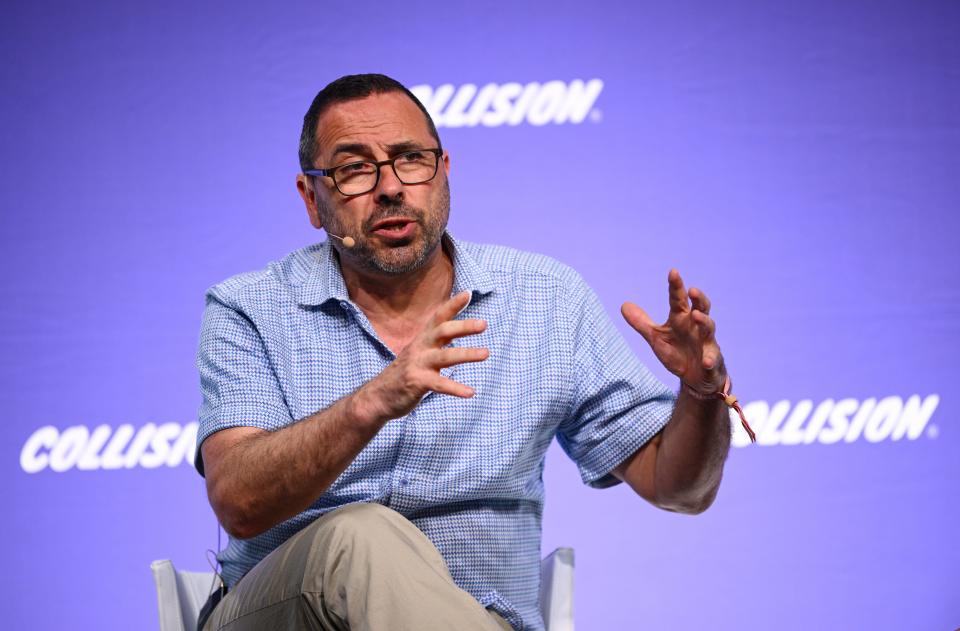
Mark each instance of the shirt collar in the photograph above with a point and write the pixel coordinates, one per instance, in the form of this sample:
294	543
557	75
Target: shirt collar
325	281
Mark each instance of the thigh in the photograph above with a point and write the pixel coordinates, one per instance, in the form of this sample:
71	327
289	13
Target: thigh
500	621
362	563
271	594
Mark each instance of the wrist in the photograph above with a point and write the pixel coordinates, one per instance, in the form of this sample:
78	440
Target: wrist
726	396
704	392
362	408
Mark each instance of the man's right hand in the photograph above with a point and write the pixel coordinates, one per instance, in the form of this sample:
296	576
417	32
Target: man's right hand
257	478
416	371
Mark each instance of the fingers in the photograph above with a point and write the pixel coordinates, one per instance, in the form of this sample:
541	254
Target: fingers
435	353
444	385
678	294
446	332
708	329
705	323
446	357
638	319
451	308
699	300
416	369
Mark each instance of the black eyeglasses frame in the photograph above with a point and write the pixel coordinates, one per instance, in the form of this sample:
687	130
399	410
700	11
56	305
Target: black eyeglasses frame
331	172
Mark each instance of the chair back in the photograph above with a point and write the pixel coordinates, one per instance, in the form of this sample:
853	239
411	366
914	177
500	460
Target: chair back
180	595
556	589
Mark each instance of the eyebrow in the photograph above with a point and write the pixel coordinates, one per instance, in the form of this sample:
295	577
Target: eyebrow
400	147
358	148
351	147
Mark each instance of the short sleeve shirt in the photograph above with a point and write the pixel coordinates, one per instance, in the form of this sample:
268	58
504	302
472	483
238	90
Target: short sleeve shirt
280	344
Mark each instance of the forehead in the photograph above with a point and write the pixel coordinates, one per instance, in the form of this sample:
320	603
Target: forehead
377	120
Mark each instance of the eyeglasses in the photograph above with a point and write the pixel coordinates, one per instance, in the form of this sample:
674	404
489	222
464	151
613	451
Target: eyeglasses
357	178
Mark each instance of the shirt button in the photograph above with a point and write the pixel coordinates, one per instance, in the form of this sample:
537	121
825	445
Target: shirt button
404	482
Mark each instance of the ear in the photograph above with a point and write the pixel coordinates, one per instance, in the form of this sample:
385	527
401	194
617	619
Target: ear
309	196
446	163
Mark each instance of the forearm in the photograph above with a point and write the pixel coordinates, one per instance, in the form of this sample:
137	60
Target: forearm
256	479
691	453
268	477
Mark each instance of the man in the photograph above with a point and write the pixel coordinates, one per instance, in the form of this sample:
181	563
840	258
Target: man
377	407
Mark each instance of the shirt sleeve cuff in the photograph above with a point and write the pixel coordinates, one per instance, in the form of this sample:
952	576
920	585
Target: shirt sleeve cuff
596	465
239	414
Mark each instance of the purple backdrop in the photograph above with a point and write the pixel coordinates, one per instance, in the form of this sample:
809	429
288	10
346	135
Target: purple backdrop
797	162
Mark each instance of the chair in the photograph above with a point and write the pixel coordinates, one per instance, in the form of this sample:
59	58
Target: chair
556	589
181	595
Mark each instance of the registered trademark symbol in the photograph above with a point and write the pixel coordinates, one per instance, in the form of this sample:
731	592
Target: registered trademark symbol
596	116
933	431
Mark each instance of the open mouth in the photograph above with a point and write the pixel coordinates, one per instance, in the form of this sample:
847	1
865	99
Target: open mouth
394	228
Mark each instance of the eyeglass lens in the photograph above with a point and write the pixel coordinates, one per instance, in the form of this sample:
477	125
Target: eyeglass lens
412	167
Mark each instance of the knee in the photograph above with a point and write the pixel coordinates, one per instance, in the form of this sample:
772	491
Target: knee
363	523
351	540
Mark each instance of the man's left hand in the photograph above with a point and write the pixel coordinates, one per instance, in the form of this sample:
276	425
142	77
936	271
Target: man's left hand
685	343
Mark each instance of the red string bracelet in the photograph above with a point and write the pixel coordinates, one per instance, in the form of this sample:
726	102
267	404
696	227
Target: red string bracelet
729	399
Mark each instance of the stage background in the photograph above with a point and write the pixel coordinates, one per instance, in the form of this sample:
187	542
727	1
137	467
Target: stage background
798	161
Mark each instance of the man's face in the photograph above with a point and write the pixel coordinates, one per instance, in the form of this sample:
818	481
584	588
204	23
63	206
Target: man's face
396	226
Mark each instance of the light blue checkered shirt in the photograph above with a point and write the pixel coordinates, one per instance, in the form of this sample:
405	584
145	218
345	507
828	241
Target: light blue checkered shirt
280	344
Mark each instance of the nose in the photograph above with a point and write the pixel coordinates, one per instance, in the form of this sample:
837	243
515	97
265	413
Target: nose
389	188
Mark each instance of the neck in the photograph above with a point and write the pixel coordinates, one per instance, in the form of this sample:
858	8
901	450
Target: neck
402	296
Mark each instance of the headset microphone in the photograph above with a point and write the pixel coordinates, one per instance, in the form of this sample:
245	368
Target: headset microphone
348	242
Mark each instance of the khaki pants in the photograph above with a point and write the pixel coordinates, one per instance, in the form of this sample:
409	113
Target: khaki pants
360	568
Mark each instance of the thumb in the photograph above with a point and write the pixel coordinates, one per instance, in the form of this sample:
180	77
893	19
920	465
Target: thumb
638	319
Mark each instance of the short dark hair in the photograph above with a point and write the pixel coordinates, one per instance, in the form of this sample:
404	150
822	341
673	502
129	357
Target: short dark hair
349	88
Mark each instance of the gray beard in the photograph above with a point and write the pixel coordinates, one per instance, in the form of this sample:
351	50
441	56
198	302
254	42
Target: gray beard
399	259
